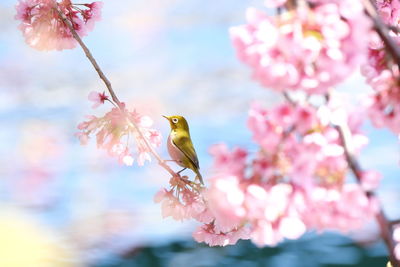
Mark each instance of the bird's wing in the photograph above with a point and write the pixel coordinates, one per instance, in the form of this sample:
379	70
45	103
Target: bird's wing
185	145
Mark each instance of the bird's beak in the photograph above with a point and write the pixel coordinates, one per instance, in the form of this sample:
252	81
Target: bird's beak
166	117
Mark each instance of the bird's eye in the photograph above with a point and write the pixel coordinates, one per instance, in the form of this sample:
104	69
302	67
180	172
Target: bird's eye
175	120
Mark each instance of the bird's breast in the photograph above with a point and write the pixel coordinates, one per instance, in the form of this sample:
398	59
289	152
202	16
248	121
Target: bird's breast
175	153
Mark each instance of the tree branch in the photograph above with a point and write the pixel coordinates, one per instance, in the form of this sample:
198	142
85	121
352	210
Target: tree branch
89	56
114	97
384	224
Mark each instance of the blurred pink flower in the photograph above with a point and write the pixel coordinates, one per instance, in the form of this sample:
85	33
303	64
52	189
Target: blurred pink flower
383	105
296	182
342	209
307	49
225	199
292	135
83	137
97	98
274	3
273	214
370	180
396	238
207	233
389	11
183	201
170	205
397	251
128	160
264	131
43	28
382	75
292	227
115	133
92	14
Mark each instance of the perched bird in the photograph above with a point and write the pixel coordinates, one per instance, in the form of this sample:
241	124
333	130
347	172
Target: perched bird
180	146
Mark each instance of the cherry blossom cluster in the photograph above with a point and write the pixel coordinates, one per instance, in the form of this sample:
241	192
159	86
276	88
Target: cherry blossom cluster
183	201
294	183
44	29
382	73
189	200
115	132
186	200
310	48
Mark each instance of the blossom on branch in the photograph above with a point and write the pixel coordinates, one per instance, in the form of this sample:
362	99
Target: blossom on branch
389	11
207	234
274	3
97	98
308	49
115	133
44	29
382	73
183	201
295	183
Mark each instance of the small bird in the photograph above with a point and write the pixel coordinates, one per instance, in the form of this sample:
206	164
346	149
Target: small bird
180	146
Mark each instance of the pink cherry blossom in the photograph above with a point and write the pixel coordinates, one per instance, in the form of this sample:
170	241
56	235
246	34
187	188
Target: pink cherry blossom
296	182
292	227
115	133
171	205
43	28
92	14
383	105
183	201
307	49
83	138
264	131
370	180
97	98
342	209
262	234
233	162
396	238
383	76
397	251
389	11
273	214
226	199
274	3
207	234
128	160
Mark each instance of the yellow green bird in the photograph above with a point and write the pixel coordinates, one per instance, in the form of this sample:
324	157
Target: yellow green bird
180	146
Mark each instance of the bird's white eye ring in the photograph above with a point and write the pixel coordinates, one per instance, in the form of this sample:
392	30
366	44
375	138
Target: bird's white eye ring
175	120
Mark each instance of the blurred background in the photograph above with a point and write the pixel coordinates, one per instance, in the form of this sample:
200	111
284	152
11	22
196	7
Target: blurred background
62	204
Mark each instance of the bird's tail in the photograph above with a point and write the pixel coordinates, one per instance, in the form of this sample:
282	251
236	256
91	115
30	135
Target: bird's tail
198	176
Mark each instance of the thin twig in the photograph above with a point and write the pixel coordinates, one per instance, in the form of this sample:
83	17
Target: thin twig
114	97
384	224
394	29
89	56
291	4
288	98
